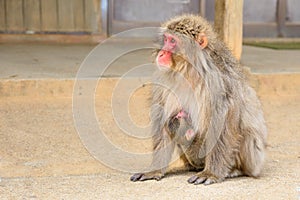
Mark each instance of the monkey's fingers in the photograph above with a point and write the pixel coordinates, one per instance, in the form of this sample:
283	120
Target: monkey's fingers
203	178
136	177
147	176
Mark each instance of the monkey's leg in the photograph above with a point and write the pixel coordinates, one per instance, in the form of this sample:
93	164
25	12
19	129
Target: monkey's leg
163	150
217	166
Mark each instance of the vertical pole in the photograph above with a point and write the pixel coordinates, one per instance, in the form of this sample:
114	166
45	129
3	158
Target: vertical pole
229	24
202	8
281	16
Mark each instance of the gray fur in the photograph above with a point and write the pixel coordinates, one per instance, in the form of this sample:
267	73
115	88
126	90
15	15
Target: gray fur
226	114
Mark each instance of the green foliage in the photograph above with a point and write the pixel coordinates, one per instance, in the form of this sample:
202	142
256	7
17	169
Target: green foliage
275	45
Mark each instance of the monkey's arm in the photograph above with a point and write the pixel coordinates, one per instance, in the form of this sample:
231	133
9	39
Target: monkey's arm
219	146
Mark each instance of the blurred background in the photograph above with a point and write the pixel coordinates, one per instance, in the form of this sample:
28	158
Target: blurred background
267	18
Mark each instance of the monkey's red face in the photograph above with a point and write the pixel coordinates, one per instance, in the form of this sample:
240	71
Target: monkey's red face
173	52
164	57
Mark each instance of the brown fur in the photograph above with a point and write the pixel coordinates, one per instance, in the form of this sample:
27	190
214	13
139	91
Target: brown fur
226	115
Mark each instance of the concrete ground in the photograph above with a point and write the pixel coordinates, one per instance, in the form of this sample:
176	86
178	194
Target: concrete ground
42	156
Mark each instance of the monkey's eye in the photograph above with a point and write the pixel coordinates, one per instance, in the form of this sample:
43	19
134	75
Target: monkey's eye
165	38
173	41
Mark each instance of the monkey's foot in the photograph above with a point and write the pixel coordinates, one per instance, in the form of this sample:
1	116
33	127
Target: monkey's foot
205	178
147	176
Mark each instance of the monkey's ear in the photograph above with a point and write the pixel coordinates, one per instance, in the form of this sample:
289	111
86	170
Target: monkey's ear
202	40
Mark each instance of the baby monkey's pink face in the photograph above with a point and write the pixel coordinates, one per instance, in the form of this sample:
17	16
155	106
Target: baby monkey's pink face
164	57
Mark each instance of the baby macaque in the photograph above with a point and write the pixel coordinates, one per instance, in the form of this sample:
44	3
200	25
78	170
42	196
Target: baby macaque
180	127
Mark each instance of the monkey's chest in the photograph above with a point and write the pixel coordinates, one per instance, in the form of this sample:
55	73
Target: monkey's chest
180	100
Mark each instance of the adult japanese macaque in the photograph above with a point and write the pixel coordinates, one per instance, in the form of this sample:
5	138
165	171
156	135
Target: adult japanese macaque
202	104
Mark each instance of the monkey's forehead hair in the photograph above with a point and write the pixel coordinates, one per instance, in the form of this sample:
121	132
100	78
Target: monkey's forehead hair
189	25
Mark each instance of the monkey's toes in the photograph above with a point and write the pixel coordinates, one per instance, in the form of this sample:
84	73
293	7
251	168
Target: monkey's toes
193	179
203	179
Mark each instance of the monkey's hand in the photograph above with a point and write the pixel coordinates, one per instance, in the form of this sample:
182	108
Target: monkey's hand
155	175
205	178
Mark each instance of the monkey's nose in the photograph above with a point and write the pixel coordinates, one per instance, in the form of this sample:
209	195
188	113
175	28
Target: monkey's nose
163	53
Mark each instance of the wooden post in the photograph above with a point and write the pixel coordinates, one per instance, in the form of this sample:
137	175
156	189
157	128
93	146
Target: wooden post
281	16
229	24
